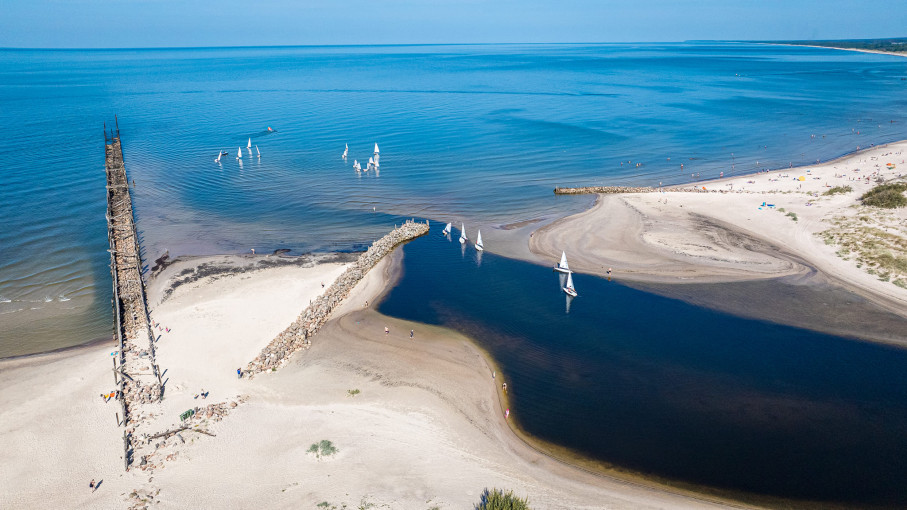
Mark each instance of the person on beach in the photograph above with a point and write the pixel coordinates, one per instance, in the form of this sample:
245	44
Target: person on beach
609	271
91	485
239	373
412	332
386	330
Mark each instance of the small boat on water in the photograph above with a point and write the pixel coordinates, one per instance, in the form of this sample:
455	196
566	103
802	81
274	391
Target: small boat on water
346	151
356	165
217	159
376	148
463	237
224	153
250	144
239	153
371	163
562	265
446	230
479	245
258	151
569	289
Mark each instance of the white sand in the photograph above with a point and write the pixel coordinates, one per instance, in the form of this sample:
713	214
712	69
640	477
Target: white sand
697	237
426	430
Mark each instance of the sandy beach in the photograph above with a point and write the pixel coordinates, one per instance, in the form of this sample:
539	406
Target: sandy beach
778	224
426	428
417	422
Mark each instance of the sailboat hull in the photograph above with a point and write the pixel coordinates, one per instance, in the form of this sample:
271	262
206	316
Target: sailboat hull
480	248
570	292
462	240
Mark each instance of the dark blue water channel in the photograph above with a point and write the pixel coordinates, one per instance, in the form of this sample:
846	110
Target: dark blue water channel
669	389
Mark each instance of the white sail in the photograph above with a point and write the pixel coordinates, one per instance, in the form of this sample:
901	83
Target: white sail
239	153
446	229
250	144
346	151
257	151
356	165
463	237
569	289
376	148
479	245
562	266
371	162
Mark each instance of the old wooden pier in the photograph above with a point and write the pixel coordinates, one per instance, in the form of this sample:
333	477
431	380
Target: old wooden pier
136	373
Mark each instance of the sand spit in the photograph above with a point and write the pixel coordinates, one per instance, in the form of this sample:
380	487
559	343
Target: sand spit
425	429
767	225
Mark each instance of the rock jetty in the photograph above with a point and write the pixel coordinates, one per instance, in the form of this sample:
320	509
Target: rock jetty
298	335
602	189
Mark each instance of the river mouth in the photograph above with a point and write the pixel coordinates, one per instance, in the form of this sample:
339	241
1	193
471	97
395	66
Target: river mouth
672	390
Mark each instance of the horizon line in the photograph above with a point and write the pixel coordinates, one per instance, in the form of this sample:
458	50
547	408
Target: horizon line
386	45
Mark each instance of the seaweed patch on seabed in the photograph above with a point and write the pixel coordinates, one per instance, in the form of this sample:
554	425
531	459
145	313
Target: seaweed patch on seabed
215	270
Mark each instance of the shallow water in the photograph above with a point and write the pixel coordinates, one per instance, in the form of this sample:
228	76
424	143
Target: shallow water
670	389
474	133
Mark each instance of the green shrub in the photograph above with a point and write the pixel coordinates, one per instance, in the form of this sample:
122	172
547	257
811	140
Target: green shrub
792	215
888	196
838	189
496	499
323	448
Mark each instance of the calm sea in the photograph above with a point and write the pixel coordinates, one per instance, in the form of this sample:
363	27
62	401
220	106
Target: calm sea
474	133
669	389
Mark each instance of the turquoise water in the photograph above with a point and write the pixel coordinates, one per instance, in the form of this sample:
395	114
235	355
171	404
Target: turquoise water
669	389
474	133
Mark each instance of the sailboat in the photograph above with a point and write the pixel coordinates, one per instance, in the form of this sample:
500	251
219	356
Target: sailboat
463	238
569	289
345	151
218	158
371	163
479	245
258	151
446	230
250	144
356	165
239	153
562	266
376	148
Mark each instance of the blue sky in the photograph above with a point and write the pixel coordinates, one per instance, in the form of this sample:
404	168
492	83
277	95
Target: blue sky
154	23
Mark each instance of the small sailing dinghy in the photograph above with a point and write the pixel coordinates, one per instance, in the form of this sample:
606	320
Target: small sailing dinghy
569	289
356	165
479	245
239	153
376	148
250	144
258	151
345	151
562	266
217	160
463	237
446	230
371	163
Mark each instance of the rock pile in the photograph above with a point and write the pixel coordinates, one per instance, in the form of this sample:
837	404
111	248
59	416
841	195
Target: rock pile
299	333
602	189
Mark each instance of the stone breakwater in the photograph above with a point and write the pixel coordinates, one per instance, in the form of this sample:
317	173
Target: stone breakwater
299	333
602	189
643	189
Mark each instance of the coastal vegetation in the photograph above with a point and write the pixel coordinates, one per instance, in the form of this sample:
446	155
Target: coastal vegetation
323	448
888	196
876	240
894	45
838	190
496	499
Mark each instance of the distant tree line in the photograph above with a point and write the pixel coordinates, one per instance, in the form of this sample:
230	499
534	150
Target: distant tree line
895	45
